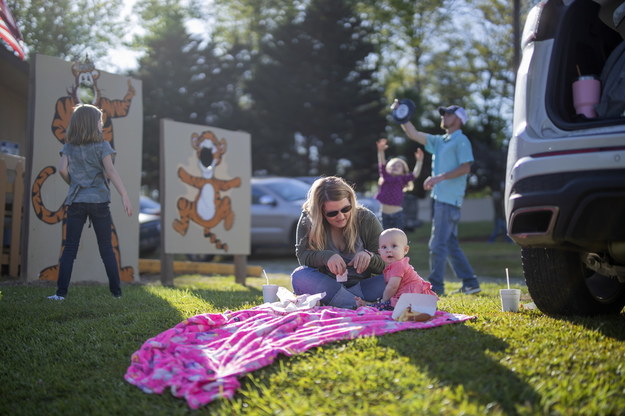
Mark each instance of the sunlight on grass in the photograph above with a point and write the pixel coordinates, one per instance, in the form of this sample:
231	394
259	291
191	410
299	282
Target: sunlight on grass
180	299
70	357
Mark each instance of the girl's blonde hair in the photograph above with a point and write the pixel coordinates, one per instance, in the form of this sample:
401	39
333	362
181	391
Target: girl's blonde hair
409	186
83	127
331	188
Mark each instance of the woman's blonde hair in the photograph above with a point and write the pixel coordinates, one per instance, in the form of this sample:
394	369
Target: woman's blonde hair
331	188
83	127
409	186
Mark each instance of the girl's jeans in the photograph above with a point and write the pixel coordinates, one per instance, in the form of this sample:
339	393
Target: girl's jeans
100	216
310	281
444	245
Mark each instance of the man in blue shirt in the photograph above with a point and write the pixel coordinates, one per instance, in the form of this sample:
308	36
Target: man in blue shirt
451	163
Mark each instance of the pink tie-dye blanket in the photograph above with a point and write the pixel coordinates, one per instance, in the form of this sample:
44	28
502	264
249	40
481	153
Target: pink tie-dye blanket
202	357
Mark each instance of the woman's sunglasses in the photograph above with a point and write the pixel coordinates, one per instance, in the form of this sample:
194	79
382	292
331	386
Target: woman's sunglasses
344	210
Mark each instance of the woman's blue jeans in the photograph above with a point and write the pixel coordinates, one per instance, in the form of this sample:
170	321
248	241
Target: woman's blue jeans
310	281
100	216
444	246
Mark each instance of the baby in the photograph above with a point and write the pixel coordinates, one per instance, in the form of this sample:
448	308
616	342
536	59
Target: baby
399	275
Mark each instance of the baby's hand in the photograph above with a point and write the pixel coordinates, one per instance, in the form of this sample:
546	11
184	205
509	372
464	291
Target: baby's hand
419	154
360	302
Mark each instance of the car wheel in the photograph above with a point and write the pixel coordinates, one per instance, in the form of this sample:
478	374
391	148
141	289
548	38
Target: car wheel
560	284
200	257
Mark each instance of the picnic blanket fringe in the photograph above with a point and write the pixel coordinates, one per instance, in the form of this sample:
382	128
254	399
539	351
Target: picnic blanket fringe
202	358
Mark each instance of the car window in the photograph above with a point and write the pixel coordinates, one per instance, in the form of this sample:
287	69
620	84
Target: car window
289	190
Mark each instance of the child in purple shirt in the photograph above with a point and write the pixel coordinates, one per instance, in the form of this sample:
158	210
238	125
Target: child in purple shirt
395	179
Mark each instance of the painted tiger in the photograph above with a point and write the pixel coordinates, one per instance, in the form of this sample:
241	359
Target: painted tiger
209	208
84	91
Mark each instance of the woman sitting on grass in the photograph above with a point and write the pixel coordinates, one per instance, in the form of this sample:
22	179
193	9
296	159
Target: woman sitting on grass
336	242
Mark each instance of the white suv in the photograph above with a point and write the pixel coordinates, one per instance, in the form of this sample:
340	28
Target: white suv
565	179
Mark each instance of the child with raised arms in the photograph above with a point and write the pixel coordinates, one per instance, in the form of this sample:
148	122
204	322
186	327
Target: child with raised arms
395	179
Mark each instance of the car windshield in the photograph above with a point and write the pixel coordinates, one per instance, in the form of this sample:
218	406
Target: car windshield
289	190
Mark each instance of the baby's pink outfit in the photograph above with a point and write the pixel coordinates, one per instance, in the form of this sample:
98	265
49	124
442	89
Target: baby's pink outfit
411	282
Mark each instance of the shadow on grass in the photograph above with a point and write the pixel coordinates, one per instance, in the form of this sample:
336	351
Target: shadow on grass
458	355
60	355
612	326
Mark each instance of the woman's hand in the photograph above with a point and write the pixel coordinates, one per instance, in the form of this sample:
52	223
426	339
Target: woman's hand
361	261
336	264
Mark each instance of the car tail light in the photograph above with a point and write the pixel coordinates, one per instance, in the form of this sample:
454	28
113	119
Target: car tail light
531	24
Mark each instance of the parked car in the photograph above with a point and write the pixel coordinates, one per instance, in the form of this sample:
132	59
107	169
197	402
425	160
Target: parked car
276	208
565	189
149	226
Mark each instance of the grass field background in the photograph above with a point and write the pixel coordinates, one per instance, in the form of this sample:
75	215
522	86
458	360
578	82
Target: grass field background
69	358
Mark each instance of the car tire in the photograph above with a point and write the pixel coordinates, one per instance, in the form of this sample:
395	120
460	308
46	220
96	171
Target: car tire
560	284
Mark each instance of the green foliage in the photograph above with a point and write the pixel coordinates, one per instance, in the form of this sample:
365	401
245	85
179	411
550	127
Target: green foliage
69	29
249	21
309	79
314	101
184	79
70	357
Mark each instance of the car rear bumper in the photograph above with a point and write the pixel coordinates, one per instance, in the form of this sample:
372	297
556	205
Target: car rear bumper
584	210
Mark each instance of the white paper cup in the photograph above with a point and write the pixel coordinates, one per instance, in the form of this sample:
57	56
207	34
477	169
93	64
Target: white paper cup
270	293
510	299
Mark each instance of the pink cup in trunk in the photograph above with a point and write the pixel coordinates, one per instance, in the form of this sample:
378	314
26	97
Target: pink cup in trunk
586	91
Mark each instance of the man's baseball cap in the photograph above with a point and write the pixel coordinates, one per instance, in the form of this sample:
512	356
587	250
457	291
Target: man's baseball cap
454	109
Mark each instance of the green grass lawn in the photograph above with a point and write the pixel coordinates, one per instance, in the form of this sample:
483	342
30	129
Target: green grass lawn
69	358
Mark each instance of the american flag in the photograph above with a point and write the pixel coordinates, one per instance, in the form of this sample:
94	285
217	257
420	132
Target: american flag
9	31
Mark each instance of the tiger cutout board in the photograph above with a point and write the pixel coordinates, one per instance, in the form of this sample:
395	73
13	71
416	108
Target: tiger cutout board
205	180
57	86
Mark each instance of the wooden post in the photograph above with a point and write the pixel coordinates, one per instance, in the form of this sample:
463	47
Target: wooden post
240	268
11	184
167	263
16	220
167	269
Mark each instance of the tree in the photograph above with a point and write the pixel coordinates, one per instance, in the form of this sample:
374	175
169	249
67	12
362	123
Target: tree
316	108
183	79
477	70
69	29
249	21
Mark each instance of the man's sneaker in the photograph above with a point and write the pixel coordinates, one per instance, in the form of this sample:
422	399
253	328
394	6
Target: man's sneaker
467	290
55	297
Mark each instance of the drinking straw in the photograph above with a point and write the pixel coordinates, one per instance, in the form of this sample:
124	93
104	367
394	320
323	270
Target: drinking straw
508	278
267	278
578	71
